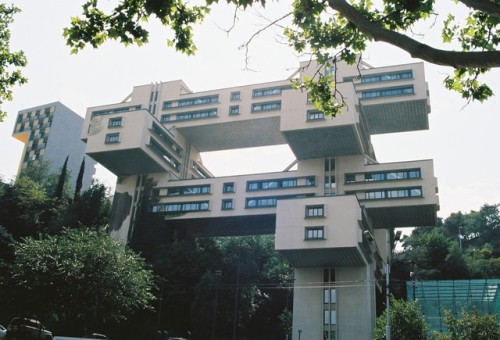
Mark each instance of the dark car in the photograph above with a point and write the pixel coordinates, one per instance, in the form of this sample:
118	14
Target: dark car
27	329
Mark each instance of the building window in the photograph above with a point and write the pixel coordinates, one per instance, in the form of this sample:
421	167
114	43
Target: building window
272	91
350	178
375	78
167	105
389	92
164	154
330	317
282	183
196	114
269	106
227	204
200	171
329	164
315	233
315	210
160	133
180	207
234	110
330	182
393	175
393	193
112	138
166	118
228	187
198	101
235	95
115	122
315	115
189	190
329	296
330	70
261	202
116	110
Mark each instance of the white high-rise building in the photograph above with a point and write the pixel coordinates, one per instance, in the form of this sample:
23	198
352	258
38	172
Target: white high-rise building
332	213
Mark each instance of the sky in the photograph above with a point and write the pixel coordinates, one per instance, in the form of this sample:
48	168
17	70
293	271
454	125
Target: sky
463	139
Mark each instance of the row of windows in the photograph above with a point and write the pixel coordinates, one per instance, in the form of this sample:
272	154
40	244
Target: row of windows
189	190
385	176
280	183
269	201
236	95
389	92
393	193
271	91
200	171
115	110
192	101
376	78
164	154
268	106
180	207
166	139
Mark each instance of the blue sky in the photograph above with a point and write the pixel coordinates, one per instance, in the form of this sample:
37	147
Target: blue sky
463	139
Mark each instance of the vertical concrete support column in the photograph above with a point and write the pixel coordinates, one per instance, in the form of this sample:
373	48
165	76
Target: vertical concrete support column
308	303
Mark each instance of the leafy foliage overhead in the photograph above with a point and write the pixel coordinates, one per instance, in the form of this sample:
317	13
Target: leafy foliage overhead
10	61
331	30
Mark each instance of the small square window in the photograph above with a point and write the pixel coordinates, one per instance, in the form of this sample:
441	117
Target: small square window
315	115
234	110
228	187
315	211
235	95
112	138
315	233
227	204
115	122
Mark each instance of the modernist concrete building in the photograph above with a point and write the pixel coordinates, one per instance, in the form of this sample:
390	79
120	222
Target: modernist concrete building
331	211
51	132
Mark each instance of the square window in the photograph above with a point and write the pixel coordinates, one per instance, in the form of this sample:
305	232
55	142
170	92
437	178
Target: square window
227	204
315	233
112	138
234	110
228	187
315	211
235	95
115	122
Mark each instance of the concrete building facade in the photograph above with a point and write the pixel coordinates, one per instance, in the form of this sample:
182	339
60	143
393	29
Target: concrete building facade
51	132
332	211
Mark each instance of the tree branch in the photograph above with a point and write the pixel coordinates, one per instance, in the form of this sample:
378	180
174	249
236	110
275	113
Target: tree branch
416	49
486	6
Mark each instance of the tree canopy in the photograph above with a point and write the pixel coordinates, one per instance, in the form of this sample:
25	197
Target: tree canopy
331	30
463	246
82	277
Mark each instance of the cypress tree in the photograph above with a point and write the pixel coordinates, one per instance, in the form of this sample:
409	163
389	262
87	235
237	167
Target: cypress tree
62	180
79	179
